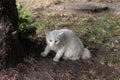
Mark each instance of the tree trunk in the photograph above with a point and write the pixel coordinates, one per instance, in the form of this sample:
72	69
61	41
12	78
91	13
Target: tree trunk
10	47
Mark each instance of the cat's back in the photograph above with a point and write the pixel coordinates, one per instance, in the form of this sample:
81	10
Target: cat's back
71	37
67	32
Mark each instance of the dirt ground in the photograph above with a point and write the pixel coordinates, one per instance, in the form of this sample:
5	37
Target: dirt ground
104	64
99	67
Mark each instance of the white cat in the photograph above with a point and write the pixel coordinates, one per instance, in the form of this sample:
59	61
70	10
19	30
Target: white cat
66	45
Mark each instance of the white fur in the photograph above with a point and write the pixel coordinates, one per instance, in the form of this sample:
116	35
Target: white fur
66	45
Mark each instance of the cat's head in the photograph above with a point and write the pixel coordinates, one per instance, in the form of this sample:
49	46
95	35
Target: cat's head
54	38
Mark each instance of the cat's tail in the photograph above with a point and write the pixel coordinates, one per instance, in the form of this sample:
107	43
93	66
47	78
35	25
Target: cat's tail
86	54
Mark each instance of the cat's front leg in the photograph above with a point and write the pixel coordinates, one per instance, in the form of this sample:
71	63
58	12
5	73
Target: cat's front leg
58	55
46	51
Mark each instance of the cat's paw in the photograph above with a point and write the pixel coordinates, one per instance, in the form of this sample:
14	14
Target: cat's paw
86	54
65	58
55	59
74	58
43	54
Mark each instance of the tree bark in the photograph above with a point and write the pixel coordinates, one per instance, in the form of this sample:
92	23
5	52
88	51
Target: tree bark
10	46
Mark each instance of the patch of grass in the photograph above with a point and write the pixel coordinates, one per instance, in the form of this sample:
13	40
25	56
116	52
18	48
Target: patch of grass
94	28
101	27
26	29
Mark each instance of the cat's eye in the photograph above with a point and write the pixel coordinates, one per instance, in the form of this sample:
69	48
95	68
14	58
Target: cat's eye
50	40
56	41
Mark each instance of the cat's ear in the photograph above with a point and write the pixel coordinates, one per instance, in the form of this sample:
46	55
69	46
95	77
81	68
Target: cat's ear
61	34
46	32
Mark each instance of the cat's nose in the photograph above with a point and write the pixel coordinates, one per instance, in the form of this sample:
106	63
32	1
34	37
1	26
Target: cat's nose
51	45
